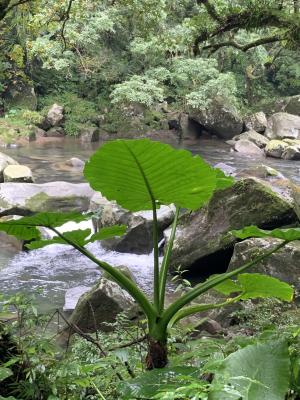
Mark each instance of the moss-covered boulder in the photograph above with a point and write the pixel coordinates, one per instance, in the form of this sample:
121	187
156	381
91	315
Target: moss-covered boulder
284	265
276	148
206	232
220	118
25	198
17	173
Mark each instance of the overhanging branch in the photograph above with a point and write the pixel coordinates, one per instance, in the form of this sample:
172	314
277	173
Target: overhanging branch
232	43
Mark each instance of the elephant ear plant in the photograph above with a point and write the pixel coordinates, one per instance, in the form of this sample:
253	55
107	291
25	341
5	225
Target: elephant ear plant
143	175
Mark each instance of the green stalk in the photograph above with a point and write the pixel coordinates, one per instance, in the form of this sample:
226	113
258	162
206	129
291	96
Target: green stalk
185	312
165	263
211	283
156	257
119	277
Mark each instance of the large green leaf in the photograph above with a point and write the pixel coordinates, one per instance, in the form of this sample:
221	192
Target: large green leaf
258	372
26	228
80	237
288	234
137	172
253	286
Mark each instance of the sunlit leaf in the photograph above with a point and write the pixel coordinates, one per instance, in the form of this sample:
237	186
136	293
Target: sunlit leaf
253	286
135	173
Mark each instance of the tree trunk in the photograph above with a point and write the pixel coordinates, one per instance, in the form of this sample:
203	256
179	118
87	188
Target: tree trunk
157	356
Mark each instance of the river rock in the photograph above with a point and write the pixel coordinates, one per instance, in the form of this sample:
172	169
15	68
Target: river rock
254	137
17	173
55	115
5	161
291	153
276	148
138	237
227	169
247	147
283	125
25	198
72	296
90	135
101	305
56	131
257	122
75	163
206	232
220	118
283	265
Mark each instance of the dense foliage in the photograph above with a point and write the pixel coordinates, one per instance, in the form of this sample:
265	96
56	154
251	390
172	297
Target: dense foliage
120	59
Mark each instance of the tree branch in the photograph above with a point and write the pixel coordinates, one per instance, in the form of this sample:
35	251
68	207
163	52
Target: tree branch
246	47
6	7
211	10
245	20
65	19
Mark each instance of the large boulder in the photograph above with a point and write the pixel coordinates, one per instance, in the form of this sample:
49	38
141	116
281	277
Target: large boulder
283	125
206	232
257	122
55	115
254	137
138	237
284	265
219	118
5	161
25	198
17	173
276	148
247	147
101	305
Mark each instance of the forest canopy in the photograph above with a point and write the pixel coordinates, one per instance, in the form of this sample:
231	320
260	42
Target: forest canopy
113	54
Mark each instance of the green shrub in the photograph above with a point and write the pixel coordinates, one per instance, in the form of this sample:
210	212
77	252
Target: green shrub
79	112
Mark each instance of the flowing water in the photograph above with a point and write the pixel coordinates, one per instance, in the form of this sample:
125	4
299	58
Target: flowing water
49	272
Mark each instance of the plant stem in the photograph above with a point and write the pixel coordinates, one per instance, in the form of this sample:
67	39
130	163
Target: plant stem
165	263
209	284
119	277
156	257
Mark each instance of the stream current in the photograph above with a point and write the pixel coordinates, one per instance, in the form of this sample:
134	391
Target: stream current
49	272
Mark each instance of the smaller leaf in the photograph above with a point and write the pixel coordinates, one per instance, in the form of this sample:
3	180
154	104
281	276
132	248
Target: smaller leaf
109	232
288	234
258	285
228	287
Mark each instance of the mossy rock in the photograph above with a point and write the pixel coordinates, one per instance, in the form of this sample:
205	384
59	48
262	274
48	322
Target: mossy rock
207	231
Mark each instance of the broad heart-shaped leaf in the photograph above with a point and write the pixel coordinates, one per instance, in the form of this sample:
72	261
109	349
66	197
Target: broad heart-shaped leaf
288	234
26	228
135	173
147	385
258	372
80	237
253	286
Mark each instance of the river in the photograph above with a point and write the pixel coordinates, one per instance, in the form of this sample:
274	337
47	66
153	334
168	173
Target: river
49	272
